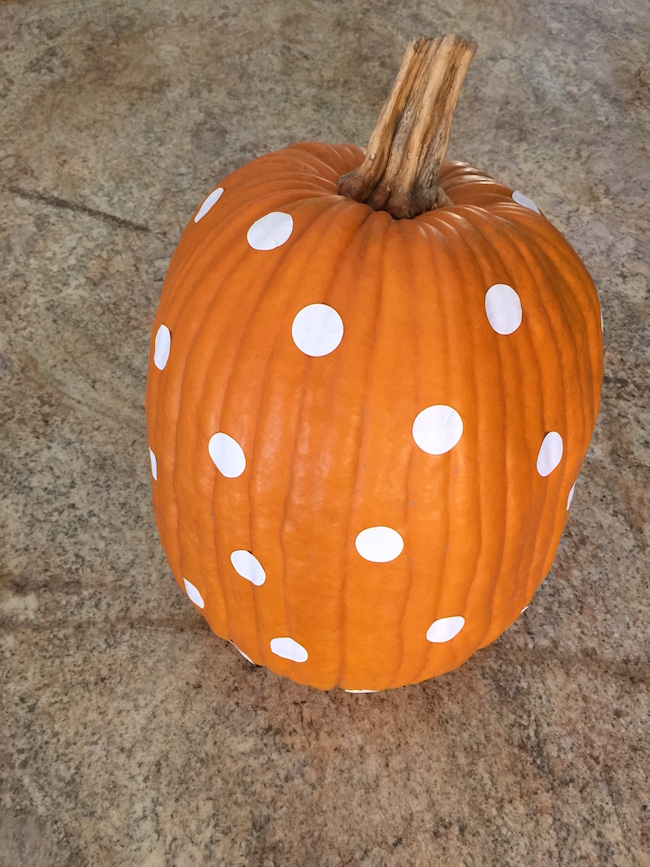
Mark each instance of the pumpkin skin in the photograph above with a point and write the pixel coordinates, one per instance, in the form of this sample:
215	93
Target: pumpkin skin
328	440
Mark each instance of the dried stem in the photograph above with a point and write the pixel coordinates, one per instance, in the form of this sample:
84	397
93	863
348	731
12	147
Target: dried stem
400	171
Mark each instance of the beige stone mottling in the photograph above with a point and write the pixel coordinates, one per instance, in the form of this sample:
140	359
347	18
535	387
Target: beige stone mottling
130	734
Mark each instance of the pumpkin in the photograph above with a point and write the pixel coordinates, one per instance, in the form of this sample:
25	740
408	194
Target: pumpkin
373	380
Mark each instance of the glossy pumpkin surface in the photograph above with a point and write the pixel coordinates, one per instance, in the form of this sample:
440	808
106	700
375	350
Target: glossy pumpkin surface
365	432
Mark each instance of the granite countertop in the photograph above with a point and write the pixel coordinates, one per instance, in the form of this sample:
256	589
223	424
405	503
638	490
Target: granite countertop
131	735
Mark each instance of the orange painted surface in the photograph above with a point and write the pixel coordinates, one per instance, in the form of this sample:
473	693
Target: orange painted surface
328	440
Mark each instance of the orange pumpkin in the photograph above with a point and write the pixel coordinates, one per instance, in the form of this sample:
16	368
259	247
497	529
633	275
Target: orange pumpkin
365	431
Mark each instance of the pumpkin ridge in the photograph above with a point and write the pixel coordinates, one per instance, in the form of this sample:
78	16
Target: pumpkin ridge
314	156
571	467
424	660
184	394
460	226
347	678
319	233
443	260
568	258
510	345
575	430
508	236
408	256
490	483
195	394
445	220
348	548
549	510
311	232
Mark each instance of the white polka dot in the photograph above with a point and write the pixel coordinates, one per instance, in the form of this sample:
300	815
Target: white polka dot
270	231
360	690
550	453
379	544
193	593
317	329
444	629
521	199
162	346
503	308
437	429
227	455
212	199
242	653
154	465
248	567
287	648
570	497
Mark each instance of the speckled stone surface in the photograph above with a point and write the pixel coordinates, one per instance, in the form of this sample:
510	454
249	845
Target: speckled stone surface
130	734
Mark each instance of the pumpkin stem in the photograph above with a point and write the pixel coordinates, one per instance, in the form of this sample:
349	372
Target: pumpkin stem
400	171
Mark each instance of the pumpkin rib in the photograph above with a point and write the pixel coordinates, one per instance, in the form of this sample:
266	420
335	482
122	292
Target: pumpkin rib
428	230
569	476
446	232
427	667
400	230
501	483
449	226
182	366
444	261
500	234
484	266
318	232
551	503
426	659
345	155
409	260
313	233
349	272
194	397
546	510
199	252
320	235
511	345
548	276
348	548
225	583
570	257
202	260
346	677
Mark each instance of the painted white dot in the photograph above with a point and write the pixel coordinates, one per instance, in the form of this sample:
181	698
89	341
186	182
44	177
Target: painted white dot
379	544
162	347
444	629
211	200
242	653
154	465
248	567
287	648
550	453
317	329
570	497
270	231
521	199
227	455
437	429
503	308
193	593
